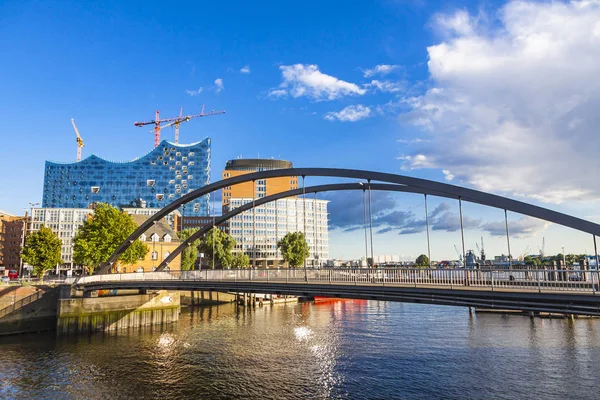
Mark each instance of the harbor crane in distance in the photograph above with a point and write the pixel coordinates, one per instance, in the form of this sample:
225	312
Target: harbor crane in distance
79	140
543	248
176	121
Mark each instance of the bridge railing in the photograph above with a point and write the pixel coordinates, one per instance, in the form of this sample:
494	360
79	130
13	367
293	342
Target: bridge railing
541	280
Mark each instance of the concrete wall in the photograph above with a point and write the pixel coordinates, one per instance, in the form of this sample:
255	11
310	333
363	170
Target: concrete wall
117	312
34	311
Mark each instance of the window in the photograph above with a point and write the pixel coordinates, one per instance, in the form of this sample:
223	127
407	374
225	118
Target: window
143	237
154	237
95	189
167	254
167	238
150	182
154	255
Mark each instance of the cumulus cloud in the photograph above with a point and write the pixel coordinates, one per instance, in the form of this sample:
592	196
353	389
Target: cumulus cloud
521	228
245	69
305	80
219	85
350	113
382	69
515	96
194	92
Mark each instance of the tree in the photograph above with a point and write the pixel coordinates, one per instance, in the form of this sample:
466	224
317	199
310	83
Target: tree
422	261
532	261
294	248
190	253
100	235
42	250
223	245
240	260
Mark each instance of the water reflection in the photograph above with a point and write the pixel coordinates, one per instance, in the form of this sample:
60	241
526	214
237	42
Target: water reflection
342	349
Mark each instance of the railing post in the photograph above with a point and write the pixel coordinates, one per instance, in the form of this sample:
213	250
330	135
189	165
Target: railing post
235	276
492	280
330	277
267	275
538	279
287	274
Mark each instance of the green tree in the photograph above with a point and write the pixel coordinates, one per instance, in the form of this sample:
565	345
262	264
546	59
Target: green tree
294	248
240	260
532	261
223	245
422	261
189	253
42	250
100	235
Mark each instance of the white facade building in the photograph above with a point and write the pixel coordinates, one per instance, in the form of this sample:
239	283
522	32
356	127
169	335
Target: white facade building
257	231
64	222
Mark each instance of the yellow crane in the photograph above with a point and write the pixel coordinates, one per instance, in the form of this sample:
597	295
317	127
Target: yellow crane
79	140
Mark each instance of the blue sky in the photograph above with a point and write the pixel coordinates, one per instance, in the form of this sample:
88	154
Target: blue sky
492	95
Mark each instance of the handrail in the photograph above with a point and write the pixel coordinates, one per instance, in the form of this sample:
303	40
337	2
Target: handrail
540	280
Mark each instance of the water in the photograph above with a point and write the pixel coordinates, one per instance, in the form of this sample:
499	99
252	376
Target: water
346	350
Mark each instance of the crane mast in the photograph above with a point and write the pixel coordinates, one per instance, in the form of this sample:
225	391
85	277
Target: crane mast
79	140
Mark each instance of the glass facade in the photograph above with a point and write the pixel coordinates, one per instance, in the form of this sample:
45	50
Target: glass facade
167	173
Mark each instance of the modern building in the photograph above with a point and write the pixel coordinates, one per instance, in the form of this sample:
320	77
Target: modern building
261	187
64	222
166	173
198	222
257	232
12	230
161	240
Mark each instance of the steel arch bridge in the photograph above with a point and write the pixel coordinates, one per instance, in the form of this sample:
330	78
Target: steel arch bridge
393	182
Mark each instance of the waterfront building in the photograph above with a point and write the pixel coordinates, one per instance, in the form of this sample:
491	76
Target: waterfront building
161	240
12	229
199	222
257	232
165	174
173	218
65	223
261	187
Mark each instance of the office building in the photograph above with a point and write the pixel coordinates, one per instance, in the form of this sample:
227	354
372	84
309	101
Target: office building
166	173
257	231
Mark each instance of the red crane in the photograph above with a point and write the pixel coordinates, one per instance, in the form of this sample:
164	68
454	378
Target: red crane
173	121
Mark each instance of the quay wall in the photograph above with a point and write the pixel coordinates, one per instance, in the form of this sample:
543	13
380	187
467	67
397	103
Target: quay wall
109	313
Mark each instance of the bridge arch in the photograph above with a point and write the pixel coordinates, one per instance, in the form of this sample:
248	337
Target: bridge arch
422	185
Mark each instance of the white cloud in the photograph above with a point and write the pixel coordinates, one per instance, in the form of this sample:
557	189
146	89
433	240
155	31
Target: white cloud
245	69
194	92
513	104
219	85
382	69
386	86
306	80
521	228
350	113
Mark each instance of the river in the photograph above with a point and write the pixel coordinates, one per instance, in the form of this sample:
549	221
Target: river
343	349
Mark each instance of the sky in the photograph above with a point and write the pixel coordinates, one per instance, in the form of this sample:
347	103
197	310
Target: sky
492	95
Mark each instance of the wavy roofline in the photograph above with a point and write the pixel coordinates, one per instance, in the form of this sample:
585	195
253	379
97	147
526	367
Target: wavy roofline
94	156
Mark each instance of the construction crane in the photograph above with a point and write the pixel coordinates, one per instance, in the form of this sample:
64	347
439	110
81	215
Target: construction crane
457	253
79	140
542	249
176	121
482	251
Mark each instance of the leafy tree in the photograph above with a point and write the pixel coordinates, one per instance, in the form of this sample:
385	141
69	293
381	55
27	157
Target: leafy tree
190	253
532	261
223	245
42	250
422	261
100	235
294	248
240	260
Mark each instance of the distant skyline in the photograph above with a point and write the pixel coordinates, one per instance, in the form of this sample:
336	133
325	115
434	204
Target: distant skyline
497	96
